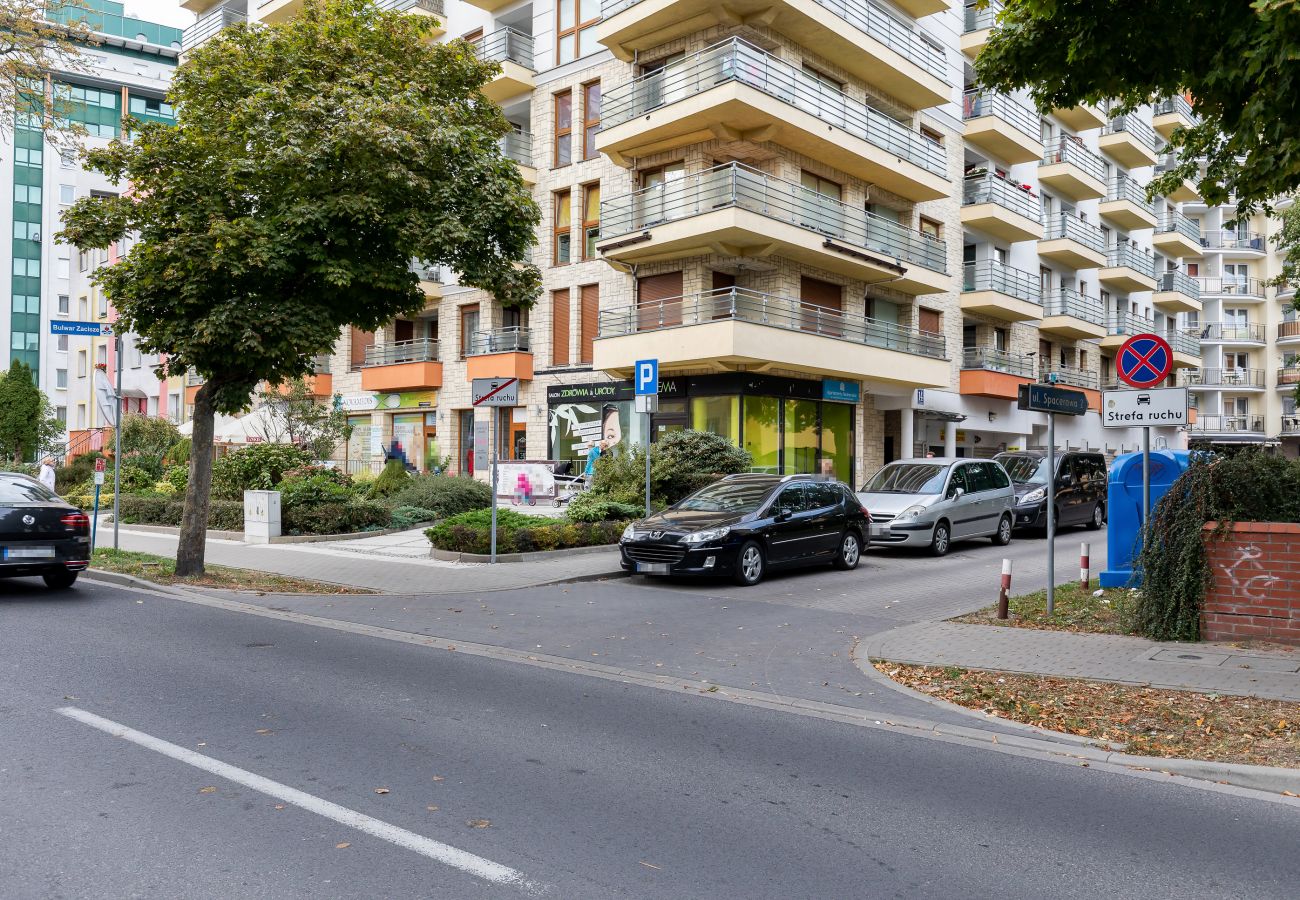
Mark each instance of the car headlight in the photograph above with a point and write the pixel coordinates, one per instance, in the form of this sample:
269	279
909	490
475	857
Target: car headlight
1034	496
708	534
629	532
912	512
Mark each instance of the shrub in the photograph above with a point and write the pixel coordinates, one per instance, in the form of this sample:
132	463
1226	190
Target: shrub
591	507
179	453
519	533
258	467
314	484
620	477
223	515
682	462
391	480
165	487
149	438
177	476
135	479
334	518
75	472
410	516
444	495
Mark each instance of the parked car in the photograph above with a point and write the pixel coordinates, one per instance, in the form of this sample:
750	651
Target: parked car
743	526
40	534
1080	488
933	502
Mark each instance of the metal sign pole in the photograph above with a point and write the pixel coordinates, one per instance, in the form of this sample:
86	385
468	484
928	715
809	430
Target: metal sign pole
492	430
1051	513
1146	476
647	464
117	440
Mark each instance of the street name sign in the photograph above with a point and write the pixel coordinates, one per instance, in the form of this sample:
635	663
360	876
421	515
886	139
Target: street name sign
1152	406
1049	399
1144	360
86	329
495	392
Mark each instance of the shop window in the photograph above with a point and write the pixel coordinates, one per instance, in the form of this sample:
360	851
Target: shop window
837	441
763	433
720	415
800	438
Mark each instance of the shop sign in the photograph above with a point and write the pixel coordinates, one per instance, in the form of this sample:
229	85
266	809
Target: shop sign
357	402
410	400
841	391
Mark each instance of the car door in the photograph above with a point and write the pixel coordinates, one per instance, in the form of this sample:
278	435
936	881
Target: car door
788	537
826	516
978	513
1070	489
959	507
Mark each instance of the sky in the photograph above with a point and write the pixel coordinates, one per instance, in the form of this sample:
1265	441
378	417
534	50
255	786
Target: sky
165	12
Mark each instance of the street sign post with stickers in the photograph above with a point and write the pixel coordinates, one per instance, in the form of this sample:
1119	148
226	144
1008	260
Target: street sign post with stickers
1144	361
492	393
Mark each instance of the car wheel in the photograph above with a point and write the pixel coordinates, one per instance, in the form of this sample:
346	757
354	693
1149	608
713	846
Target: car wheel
850	552
1098	517
1003	535
749	564
942	540
60	580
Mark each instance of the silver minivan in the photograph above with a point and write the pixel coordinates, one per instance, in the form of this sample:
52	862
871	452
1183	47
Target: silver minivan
933	502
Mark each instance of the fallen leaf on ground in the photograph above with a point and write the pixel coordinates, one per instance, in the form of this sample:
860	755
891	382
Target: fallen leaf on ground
279	806
342	845
479	823
263	731
432	808
207	790
649	865
381	790
438	778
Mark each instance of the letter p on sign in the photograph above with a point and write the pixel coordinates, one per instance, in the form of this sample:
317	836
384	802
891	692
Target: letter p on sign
647	377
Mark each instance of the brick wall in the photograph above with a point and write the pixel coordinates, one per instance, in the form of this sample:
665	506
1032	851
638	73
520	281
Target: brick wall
1255	587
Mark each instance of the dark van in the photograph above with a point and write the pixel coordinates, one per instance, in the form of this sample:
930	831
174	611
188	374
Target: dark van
1080	487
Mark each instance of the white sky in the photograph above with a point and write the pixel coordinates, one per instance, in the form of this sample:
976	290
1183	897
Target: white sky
165	12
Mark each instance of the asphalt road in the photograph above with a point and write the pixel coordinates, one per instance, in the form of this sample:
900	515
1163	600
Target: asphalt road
592	789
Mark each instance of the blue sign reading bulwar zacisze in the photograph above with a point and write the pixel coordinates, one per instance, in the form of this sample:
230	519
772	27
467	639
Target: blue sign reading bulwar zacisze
86	329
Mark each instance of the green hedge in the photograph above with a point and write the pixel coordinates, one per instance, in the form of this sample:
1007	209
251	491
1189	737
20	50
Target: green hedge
445	495
335	518
136	509
518	533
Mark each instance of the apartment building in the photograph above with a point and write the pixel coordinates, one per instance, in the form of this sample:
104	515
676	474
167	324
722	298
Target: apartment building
125	72
839	252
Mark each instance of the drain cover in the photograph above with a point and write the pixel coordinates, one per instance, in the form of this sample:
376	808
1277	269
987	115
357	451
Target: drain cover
1188	656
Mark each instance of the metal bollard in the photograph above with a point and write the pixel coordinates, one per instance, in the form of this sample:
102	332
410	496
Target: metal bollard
1083	565
1004	589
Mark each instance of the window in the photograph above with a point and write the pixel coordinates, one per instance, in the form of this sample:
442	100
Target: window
560	327
360	343
575	31
1045	280
101	355
588	322
103	306
563	129
590	220
931	228
791	498
931	134
62	268
81	364
67	193
61	413
63	304
563	233
1001	339
63	343
60	378
469	319
83	307
83	261
929	321
590	118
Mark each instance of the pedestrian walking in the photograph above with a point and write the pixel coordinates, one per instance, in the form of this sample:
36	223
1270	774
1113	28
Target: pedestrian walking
46	475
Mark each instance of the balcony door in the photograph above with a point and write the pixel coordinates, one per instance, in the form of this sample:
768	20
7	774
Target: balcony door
656	83
821	306
819	204
658	301
723	303
654	198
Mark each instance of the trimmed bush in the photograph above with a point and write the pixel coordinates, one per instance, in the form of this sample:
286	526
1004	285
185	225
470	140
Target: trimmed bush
178	477
307	490
444	495
591	507
410	516
391	480
136	479
681	463
335	518
138	509
79	470
518	533
258	467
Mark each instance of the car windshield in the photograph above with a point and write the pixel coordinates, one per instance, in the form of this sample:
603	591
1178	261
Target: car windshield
23	490
908	478
726	496
1026	469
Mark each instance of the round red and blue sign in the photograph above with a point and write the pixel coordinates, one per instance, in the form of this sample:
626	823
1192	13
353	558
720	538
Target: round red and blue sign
1144	360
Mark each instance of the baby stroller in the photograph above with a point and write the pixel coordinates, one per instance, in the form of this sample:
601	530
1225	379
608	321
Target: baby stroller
567	485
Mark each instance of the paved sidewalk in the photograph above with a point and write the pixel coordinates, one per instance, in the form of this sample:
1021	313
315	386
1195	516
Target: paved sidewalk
1213	668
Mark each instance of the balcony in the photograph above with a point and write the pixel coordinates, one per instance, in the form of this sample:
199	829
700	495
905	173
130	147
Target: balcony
1288	377
193	381
734	91
501	353
994	373
1235	243
1001	126
871	43
1285	292
1072	376
1126	205
1288	332
1233	287
490	5
1227	427
320	383
1083	117
431	279
1073	243
402	366
514	51
977	26
1072	169
737	329
210	26
1186	347
993	289
1073	316
1120	326
1129	141
1177	292
1225	379
1001	207
734	210
1173	113
1128	269
1232	333
433	10
518	145
1290	425
274	12
1186	191
1177	236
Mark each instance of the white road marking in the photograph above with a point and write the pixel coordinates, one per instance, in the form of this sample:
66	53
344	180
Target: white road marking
443	853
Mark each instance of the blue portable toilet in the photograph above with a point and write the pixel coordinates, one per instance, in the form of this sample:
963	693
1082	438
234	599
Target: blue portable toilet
1124	508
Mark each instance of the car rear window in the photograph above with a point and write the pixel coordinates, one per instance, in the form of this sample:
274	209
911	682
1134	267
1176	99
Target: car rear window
23	490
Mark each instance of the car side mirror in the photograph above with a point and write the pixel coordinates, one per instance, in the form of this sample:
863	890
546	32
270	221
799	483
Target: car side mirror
956	493
784	513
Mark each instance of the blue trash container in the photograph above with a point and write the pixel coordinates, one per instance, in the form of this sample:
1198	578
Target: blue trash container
1124	508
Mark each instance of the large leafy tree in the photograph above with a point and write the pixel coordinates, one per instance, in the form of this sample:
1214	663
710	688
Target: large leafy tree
1235	59
309	164
27	424
36	39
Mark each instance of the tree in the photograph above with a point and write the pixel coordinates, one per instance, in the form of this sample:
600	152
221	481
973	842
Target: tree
34	41
293	416
310	162
27	424
1234	59
147	439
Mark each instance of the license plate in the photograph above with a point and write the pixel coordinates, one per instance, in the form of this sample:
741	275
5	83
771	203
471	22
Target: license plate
654	568
28	552
881	531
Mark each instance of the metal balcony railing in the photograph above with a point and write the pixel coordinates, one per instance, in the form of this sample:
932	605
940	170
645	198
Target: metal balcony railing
1133	126
773	311
1249	424
427	272
735	185
518	145
1073	376
193	379
506	44
1177	104
1124	323
1179	282
1066	302
210	26
433	7
1226	239
978	19
1288	330
514	339
320	365
1231	332
869	18
1133	258
1225	378
736	60
419	350
1233	286
992	188
991	360
1290	424
1064	225
1068	150
1130	190
1177	222
1185	342
987	103
1288	376
991	275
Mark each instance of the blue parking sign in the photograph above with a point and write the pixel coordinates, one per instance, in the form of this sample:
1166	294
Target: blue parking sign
647	377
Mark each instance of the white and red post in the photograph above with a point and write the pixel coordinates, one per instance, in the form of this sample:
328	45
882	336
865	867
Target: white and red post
1005	590
1083	565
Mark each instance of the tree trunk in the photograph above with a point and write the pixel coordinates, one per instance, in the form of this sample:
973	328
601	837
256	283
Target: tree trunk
194	519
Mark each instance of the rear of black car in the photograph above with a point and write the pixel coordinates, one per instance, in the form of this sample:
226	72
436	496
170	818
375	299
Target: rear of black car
40	534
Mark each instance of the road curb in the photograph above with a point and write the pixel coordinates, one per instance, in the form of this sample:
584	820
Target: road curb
130	581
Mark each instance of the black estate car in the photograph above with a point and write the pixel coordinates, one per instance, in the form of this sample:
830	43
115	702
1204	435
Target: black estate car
1080	487
743	525
40	534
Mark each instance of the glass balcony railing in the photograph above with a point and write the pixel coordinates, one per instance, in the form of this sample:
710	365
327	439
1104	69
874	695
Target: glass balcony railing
398	352
1227	239
992	188
518	145
1233	286
991	360
773	311
1247	423
433	7
1184	342
1226	378
1232	332
991	275
1131	125
1073	228
1127	189
1071	303
115	25
736	60
987	103
1124	323
1073	376
735	185
1177	104
980	17
1179	282
1170	222
514	339
210	26
1068	150
1133	258
506	45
